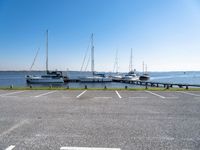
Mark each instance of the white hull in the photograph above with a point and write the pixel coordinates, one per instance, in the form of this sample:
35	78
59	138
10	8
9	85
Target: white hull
95	79
40	79
117	78
131	78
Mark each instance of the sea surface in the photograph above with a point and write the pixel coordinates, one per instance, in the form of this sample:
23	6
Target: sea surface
17	79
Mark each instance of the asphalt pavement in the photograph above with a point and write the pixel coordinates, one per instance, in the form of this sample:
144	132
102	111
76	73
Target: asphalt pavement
99	120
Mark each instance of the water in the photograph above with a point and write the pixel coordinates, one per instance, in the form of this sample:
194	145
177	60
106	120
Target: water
17	79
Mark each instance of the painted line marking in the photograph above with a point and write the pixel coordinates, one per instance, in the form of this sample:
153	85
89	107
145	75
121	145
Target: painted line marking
118	94
87	148
155	94
12	93
102	97
78	96
188	93
10	147
138	97
45	94
14	127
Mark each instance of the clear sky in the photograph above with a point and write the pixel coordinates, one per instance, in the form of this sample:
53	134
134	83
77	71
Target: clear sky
165	34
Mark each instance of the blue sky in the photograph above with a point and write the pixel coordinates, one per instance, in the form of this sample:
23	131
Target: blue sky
165	34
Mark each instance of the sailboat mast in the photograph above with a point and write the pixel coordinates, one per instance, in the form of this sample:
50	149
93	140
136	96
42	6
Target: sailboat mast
92	55
47	51
131	62
146	69
143	67
116	66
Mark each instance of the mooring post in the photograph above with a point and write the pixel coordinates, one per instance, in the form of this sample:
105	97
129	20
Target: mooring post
187	87
167	86
105	87
85	86
11	86
146	87
126	87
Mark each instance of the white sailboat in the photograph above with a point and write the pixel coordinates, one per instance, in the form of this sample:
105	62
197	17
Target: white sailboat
95	77
131	76
145	75
117	77
49	77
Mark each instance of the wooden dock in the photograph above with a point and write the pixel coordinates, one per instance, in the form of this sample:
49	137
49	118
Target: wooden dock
152	84
161	84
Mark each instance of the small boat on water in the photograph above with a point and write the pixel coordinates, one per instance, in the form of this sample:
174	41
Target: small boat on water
116	77
95	77
145	75
49	77
131	76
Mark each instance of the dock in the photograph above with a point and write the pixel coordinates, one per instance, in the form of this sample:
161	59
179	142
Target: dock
151	84
161	84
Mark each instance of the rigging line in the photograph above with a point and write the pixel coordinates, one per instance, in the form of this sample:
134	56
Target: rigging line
34	59
87	63
85	56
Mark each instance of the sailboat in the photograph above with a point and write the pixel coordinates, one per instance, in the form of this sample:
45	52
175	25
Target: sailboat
131	76
49	77
145	75
117	77
95	77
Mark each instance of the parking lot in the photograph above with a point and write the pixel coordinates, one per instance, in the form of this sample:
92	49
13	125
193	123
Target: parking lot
99	120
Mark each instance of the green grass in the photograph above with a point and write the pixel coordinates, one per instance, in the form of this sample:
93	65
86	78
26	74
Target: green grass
130	89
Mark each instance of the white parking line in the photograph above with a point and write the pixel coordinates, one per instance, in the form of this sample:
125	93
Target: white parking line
14	127
188	93
78	96
155	94
118	94
10	147
11	93
87	148
45	94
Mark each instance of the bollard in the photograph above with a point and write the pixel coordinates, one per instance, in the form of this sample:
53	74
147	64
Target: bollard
30	86
105	87
126	87
146	86
186	87
85	86
167	87
11	86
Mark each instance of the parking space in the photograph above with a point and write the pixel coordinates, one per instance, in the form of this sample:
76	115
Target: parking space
135	94
99	94
99	119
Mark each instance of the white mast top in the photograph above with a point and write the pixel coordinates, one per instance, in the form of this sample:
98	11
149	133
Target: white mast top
92	55
47	51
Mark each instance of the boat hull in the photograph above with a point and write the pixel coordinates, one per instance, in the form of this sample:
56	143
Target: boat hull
95	79
38	80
